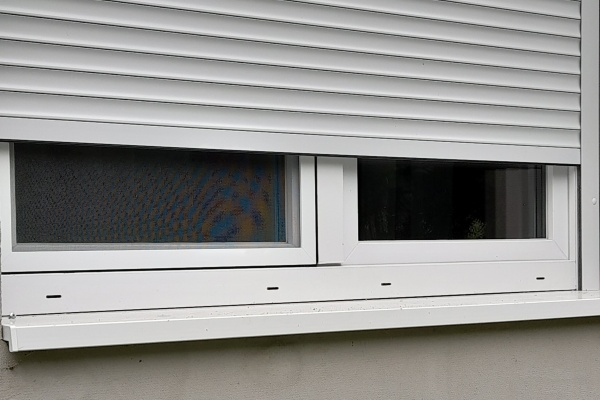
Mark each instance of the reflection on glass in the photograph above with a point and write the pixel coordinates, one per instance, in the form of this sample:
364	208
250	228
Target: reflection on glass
429	200
93	194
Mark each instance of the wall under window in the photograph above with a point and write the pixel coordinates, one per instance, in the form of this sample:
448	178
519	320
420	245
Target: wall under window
546	360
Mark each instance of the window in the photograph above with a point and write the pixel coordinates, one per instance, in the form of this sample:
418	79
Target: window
362	203
80	208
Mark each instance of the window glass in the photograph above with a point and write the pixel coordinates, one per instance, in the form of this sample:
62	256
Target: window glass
95	194
427	200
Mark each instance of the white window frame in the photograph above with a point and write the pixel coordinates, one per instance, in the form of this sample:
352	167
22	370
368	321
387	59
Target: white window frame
510	268
561	218
300	248
450	267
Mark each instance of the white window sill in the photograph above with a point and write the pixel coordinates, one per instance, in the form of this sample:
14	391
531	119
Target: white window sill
133	327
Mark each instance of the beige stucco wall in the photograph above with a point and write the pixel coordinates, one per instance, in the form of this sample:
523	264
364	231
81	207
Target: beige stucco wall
532	360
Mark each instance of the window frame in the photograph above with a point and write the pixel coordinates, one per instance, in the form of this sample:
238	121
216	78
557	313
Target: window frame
300	248
440	267
561	221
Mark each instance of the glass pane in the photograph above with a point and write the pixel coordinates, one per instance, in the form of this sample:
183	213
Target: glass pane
427	200
94	194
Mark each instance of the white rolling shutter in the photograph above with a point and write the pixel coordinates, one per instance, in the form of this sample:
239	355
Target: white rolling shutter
487	79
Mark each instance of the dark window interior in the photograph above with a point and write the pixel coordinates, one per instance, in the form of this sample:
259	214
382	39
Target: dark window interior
428	200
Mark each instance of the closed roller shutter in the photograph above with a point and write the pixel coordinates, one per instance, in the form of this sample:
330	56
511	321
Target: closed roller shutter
491	79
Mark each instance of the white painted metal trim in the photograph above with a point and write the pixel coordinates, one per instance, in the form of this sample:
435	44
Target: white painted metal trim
590	164
121	328
330	214
51	293
308	212
6	204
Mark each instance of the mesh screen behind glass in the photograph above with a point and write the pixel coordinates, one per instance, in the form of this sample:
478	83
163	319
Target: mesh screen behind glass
93	194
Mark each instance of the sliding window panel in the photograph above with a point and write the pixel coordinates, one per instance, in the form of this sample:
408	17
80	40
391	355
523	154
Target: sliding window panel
408	212
83	208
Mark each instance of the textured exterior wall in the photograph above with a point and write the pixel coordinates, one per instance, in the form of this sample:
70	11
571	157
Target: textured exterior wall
532	360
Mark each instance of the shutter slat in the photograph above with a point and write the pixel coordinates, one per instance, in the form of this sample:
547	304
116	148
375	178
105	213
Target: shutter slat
64	32
429	9
566	9
13	104
311	25
306	65
161	90
231	74
559	8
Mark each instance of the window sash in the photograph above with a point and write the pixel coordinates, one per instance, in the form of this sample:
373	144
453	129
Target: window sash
339	244
300	248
